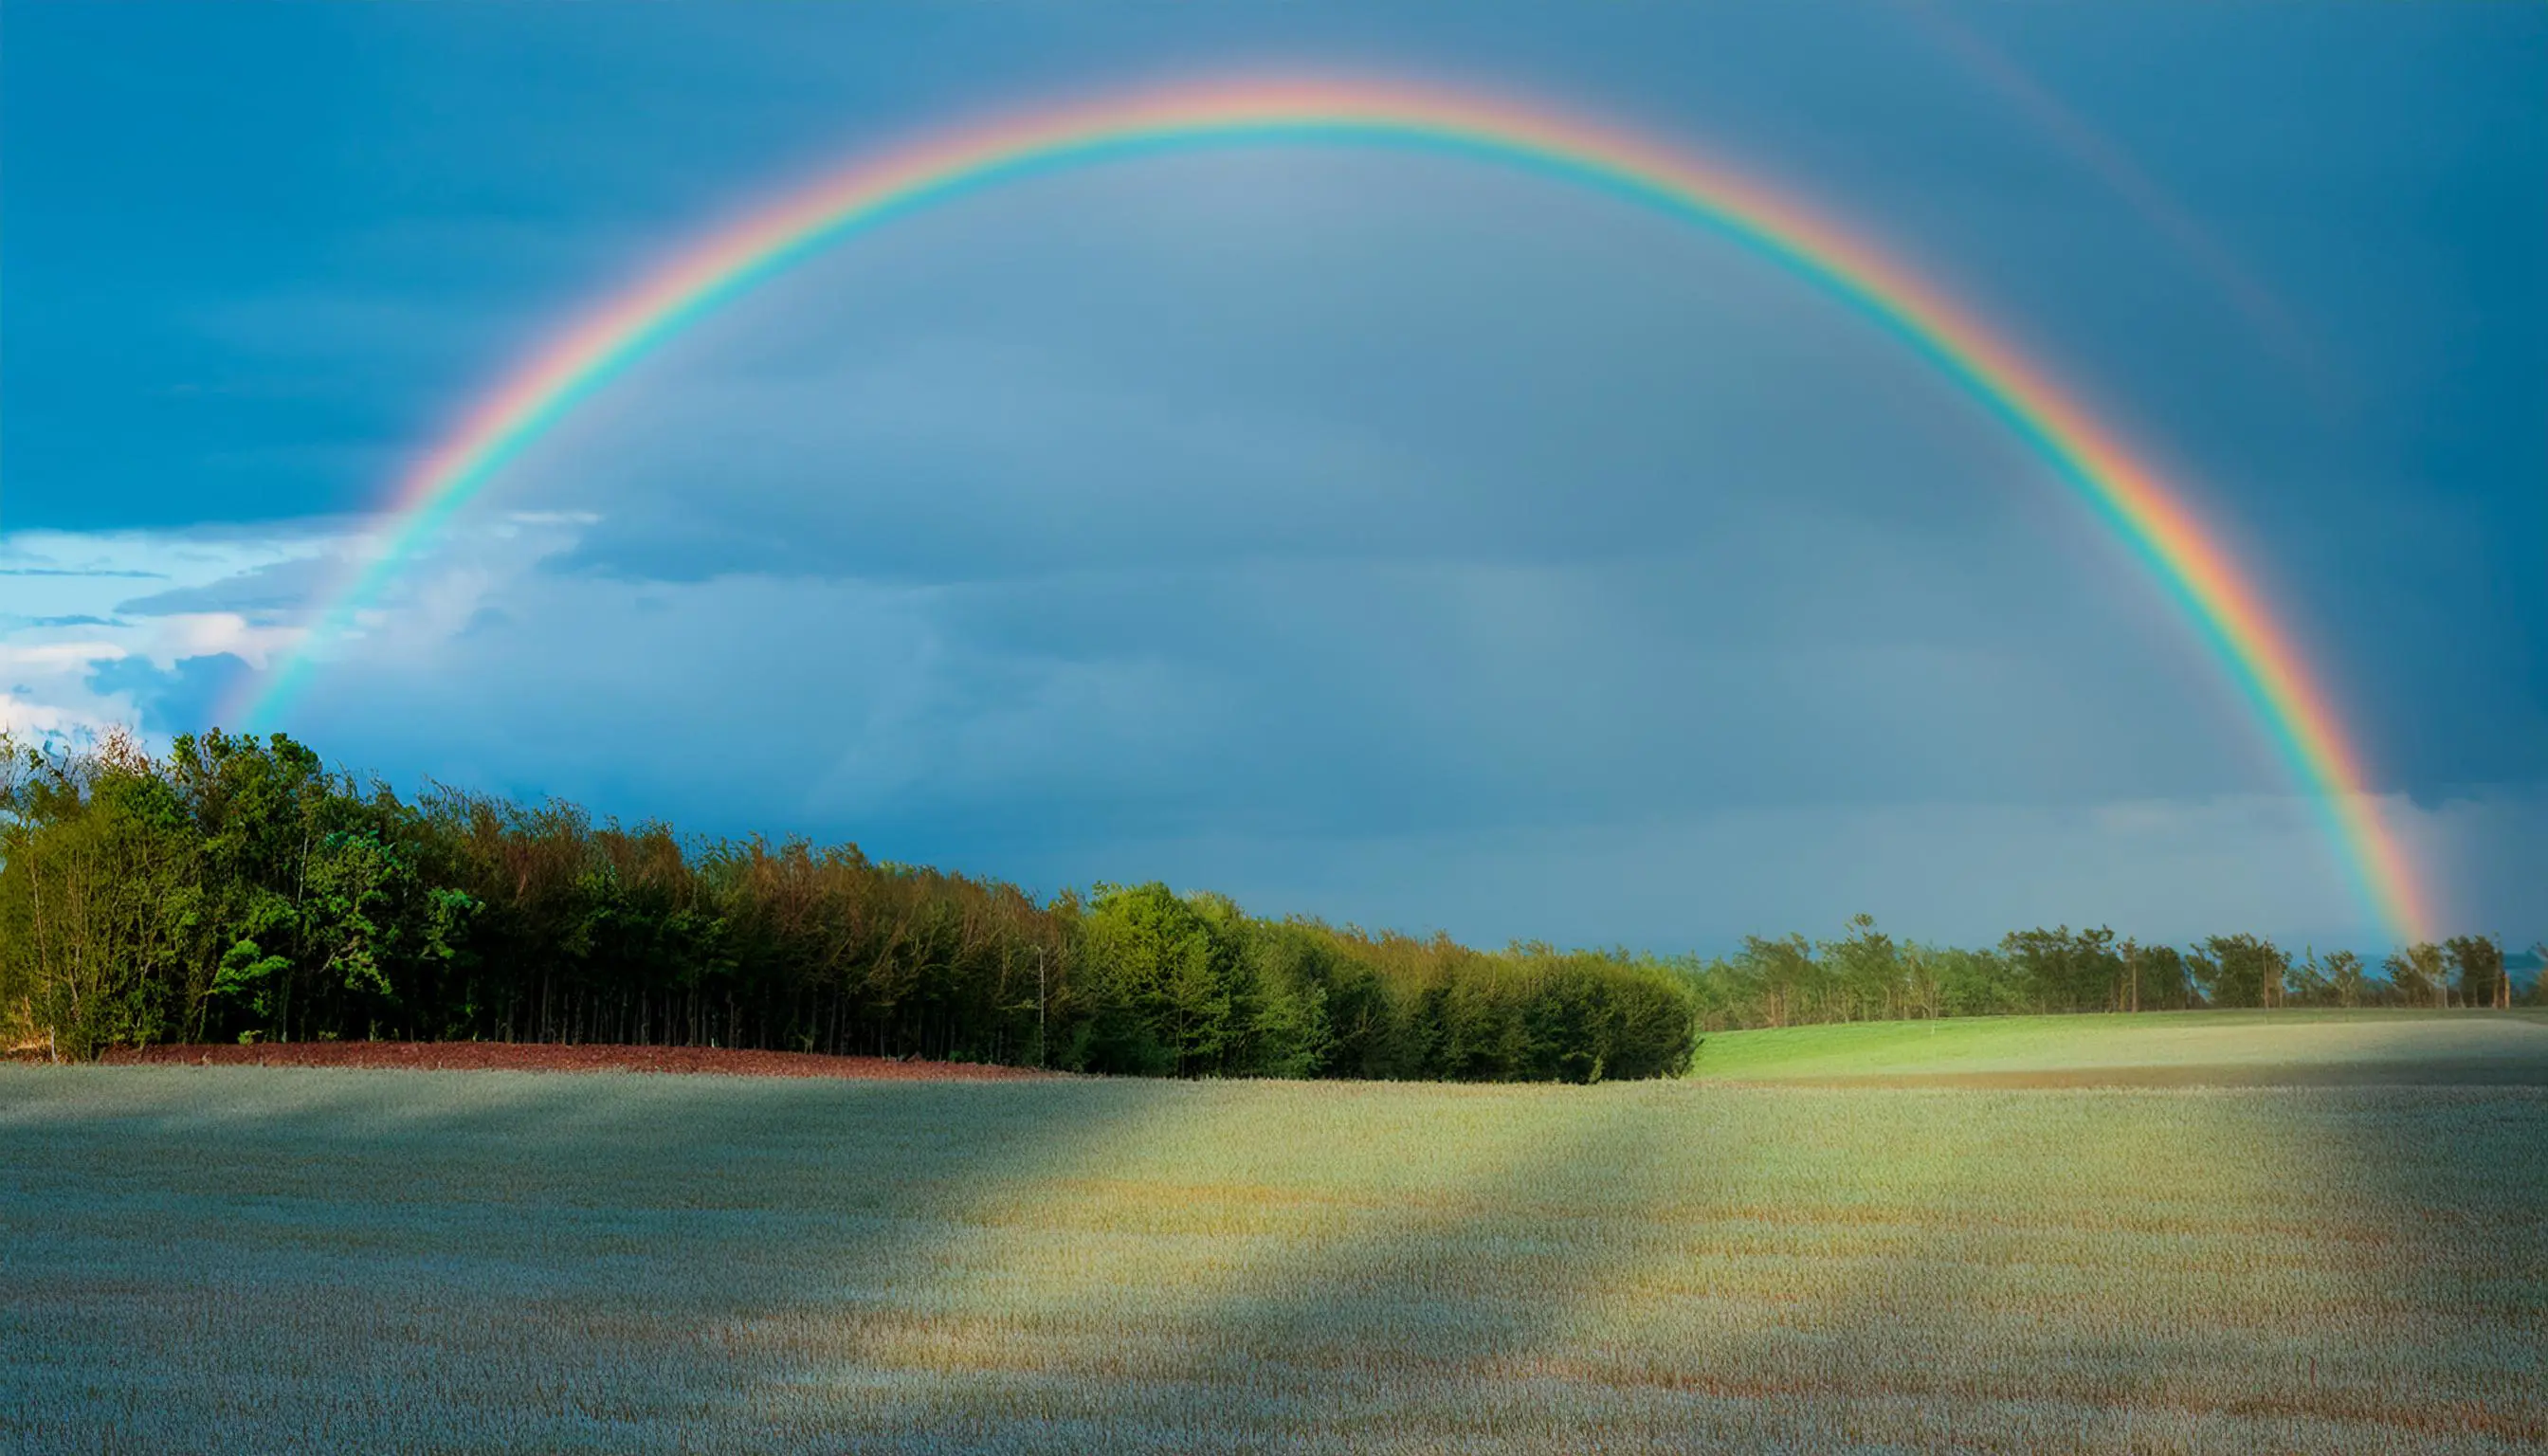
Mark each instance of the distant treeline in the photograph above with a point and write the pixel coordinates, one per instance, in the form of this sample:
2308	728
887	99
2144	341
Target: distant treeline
239	889
1868	976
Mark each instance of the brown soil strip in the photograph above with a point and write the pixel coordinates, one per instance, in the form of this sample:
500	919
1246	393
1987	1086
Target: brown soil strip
523	1057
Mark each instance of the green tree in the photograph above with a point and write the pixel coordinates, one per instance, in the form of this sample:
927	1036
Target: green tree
1781	978
100	895
2306	981
2240	970
1977	982
1866	967
1163	975
2066	970
2418	974
2477	962
2167	981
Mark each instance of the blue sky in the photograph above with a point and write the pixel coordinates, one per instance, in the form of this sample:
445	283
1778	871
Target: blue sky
1380	537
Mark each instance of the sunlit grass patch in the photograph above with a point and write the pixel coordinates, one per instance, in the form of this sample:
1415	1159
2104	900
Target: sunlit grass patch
2231	1046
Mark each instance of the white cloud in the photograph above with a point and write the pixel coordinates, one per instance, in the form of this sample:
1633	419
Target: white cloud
41	720
55	657
56	574
211	633
72	603
62	614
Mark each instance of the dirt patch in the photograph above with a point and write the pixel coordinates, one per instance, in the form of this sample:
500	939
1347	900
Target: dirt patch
522	1056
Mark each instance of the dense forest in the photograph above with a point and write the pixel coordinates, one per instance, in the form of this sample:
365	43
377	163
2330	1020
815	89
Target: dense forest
239	889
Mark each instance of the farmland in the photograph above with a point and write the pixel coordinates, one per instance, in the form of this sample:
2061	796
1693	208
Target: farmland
256	1258
2152	1049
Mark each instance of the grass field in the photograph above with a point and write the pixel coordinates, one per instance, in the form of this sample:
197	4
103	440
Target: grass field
227	1259
2154	1049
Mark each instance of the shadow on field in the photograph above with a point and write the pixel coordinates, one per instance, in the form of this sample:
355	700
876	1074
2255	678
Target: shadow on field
637	1263
2438	1190
518	1261
1480	1278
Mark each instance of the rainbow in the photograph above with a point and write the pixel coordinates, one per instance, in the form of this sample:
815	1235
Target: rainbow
2188	562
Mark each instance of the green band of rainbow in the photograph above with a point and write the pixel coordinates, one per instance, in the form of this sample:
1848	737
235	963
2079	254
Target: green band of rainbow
2188	562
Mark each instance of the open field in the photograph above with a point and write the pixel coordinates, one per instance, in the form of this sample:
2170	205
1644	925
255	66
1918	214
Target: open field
217	1259
2147	1048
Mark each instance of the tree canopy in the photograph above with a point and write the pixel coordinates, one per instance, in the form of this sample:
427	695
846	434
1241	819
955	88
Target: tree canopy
236	888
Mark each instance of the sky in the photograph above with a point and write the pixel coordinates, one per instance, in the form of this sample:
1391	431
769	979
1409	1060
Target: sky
1390	538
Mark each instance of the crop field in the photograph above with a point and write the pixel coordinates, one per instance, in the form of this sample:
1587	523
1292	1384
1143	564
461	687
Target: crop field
239	1258
2149	1047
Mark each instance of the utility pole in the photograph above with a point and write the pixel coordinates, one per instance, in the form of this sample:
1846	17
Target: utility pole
1043	1049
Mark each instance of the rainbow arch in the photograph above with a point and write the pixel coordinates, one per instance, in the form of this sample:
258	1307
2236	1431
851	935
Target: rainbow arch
2188	562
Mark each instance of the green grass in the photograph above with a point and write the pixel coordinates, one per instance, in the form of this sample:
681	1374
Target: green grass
243	1260
2237	1047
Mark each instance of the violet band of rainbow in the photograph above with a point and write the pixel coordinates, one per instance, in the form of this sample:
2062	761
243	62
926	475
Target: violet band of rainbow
2188	561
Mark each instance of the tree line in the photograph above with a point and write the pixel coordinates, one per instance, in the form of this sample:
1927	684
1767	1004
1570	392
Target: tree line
236	888
239	889
1865	975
